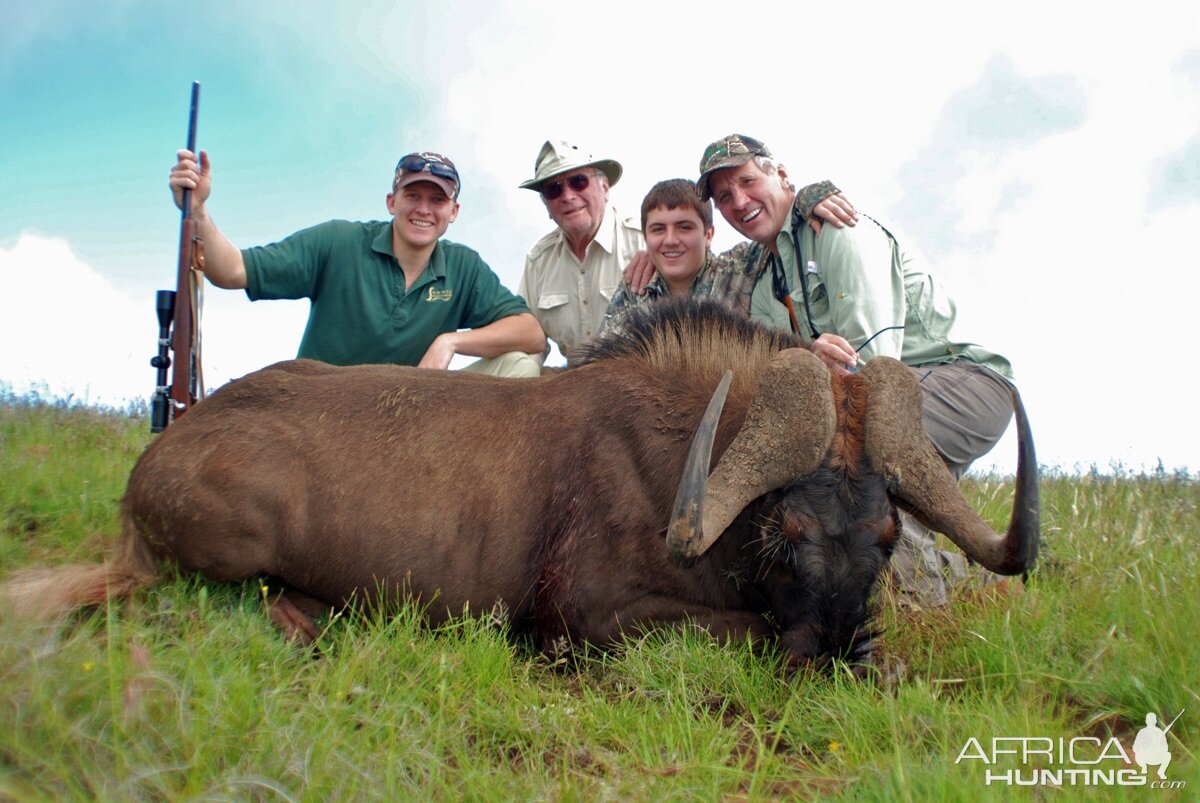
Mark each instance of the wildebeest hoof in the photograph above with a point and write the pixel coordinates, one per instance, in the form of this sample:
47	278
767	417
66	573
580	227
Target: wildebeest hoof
286	614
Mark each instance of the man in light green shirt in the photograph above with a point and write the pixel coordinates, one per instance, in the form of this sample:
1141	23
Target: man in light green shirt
849	294
855	293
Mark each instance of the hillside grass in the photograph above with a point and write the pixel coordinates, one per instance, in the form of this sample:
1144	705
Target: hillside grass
186	692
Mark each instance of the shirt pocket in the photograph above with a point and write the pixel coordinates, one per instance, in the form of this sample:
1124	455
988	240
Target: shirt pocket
608	293
818	295
550	301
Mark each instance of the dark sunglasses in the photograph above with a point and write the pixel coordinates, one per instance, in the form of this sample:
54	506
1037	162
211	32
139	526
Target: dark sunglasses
578	182
428	163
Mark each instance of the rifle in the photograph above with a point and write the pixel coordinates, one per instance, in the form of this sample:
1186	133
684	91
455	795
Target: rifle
1177	716
179	316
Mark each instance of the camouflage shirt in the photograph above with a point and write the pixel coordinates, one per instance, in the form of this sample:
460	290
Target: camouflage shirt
731	276
624	299
808	197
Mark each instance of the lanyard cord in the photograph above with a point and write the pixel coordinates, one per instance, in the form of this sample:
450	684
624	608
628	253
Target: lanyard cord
863	345
779	286
779	282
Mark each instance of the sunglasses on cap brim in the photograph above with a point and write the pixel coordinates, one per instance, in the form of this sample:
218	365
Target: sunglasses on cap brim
415	163
578	183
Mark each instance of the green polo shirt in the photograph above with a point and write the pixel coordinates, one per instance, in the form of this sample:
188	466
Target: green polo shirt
360	310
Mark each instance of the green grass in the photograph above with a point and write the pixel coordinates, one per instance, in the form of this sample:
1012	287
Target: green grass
186	692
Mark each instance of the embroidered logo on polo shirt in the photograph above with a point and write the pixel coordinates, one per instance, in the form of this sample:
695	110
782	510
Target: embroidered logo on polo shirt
439	295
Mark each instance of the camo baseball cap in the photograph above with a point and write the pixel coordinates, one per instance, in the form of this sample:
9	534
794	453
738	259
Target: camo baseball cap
730	151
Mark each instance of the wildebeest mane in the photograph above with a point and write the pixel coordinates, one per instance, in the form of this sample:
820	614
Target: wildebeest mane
690	333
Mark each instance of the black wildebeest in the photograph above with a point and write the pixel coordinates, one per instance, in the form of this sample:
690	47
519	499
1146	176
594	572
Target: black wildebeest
555	495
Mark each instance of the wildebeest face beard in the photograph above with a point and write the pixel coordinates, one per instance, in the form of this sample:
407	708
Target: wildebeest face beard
836	535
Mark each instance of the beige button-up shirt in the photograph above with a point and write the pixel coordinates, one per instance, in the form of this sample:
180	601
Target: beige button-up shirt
569	297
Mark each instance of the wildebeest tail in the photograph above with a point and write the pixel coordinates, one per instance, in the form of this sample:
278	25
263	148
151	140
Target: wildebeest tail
49	592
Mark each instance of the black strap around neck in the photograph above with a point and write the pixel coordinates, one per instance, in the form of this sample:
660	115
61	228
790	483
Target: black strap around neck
797	223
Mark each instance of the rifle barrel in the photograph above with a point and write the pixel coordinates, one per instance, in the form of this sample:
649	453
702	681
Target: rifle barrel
191	142
1177	716
183	384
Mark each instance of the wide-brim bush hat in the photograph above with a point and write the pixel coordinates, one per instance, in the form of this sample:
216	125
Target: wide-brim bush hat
558	157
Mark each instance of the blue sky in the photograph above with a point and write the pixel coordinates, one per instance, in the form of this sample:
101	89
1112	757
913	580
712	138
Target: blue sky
1045	157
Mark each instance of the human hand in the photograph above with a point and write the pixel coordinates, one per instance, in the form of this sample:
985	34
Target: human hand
440	352
187	174
638	272
836	209
836	352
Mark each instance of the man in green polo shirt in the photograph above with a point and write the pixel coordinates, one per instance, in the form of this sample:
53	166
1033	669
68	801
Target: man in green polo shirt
389	291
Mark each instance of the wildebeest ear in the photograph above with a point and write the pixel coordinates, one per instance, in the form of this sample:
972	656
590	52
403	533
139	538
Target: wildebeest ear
787	431
898	448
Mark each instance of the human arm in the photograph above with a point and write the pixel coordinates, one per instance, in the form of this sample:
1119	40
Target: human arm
824	202
835	209
519	332
222	262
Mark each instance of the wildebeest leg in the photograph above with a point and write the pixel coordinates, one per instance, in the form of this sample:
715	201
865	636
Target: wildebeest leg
292	612
652	611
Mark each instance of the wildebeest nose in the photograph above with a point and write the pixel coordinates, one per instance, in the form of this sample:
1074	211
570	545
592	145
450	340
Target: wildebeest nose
802	643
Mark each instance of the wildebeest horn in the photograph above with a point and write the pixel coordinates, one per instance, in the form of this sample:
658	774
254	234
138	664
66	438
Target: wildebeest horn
786	433
898	448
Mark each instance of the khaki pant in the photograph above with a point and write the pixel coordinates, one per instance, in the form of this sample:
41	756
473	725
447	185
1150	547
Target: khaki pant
512	365
966	409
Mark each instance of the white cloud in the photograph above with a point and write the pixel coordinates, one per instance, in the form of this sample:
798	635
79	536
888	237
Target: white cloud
68	332
240	337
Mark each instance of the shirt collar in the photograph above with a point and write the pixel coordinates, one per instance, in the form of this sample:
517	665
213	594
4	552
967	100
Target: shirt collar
658	285
783	240
606	235
382	244
705	273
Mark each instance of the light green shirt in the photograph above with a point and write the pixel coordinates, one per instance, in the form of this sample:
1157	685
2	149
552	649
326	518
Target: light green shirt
860	281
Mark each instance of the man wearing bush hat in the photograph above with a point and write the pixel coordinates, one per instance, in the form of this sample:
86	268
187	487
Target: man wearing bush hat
572	273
